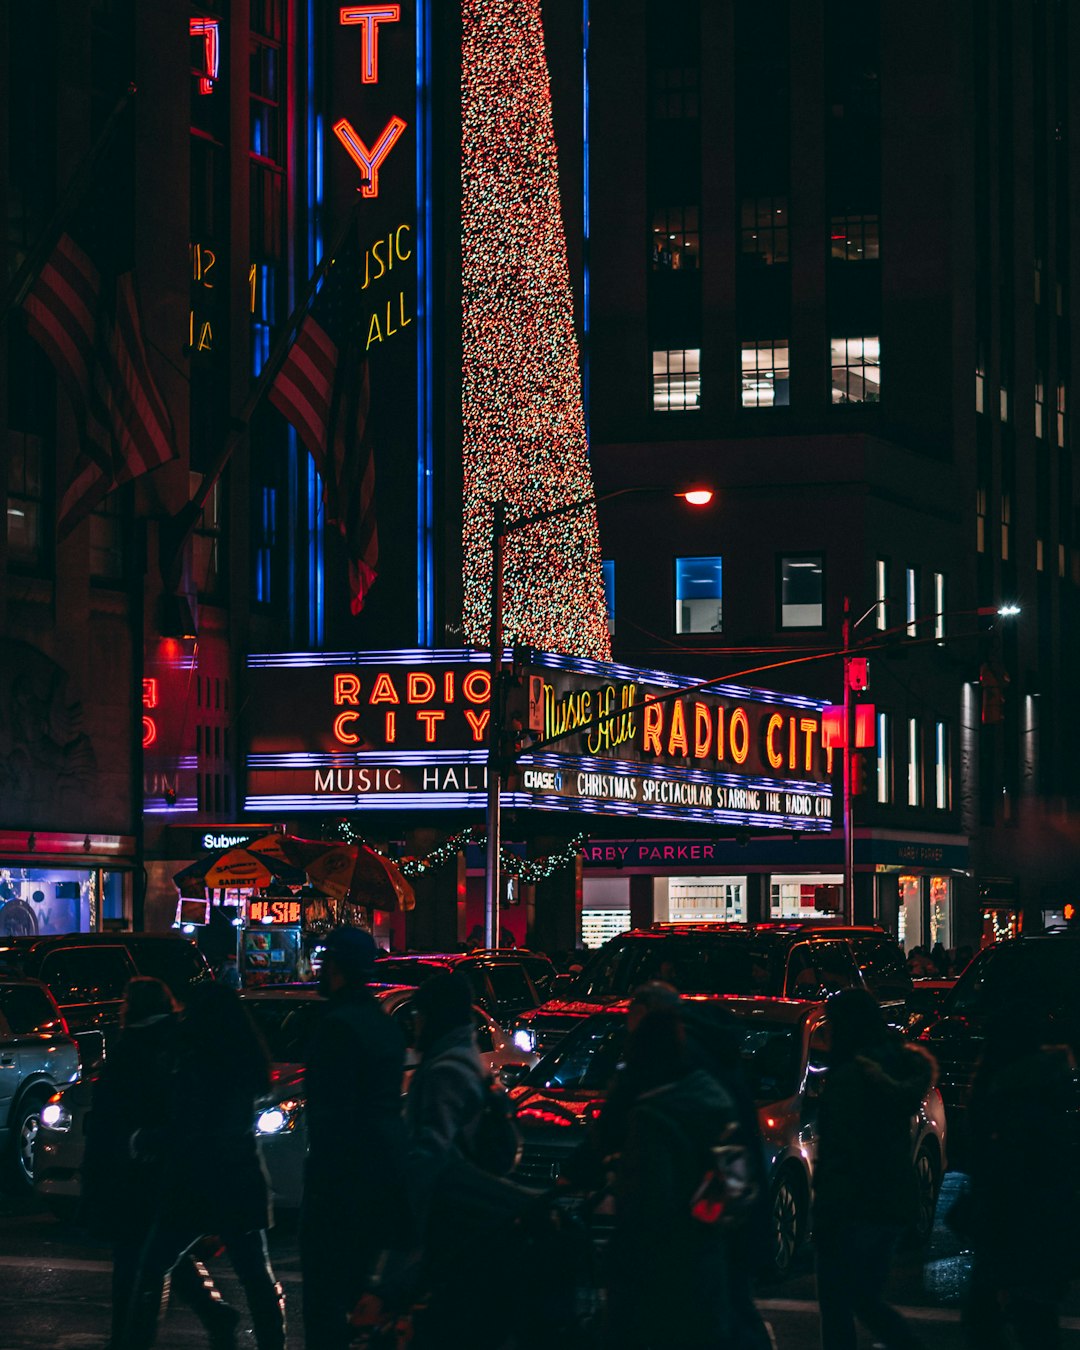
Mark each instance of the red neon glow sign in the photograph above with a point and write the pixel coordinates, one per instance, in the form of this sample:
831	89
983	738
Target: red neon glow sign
366	160
369	17
208	30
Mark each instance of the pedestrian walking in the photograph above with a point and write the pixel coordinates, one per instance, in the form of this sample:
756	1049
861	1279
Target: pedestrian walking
213	1181
120	1194
355	1199
668	1270
865	1190
458	1153
1022	1211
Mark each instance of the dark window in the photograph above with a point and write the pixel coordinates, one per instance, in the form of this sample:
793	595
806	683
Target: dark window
802	591
724	966
512	989
107	540
177	963
854	238
587	1058
772	1057
882	962
286	1025
87	974
675	92
25	493
764	229
676	239
28	1011
485	1042
816	969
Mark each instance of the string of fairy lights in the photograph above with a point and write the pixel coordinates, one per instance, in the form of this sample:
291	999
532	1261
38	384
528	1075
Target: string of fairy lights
523	420
528	871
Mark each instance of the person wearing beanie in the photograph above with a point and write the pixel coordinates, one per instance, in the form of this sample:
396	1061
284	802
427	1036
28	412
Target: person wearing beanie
355	1188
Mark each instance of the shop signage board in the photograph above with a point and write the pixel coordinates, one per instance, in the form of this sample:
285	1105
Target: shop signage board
407	730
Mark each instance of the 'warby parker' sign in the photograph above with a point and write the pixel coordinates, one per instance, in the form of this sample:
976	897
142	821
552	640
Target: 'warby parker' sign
408	730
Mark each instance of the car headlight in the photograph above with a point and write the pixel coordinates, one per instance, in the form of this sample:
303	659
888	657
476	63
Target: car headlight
55	1115
525	1039
279	1118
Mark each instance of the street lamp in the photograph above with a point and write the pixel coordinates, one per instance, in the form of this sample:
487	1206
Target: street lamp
500	528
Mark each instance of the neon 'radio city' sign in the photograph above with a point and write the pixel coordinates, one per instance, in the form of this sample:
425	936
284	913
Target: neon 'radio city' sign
408	729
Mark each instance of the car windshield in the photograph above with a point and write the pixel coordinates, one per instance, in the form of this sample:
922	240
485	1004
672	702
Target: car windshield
286	1025
1045	970
178	964
589	1056
714	963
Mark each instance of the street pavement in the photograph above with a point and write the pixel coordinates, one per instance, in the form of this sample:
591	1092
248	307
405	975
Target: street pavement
54	1289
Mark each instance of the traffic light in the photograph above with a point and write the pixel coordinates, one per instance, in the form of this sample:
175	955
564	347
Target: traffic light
858	774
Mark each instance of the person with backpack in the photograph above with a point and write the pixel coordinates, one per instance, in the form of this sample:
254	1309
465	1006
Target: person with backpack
462	1142
668	1281
356	1200
865	1188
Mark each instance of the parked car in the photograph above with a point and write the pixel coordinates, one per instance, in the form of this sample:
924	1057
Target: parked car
783	1053
87	972
1042	970
505	982
788	959
38	1056
286	1019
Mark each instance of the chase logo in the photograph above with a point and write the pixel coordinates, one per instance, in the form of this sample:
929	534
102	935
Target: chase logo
543	780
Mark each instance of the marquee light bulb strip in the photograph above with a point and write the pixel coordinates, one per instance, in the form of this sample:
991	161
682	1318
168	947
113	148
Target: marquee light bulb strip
523	421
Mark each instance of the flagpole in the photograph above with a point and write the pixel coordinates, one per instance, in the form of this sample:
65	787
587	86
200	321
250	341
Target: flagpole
23	280
174	532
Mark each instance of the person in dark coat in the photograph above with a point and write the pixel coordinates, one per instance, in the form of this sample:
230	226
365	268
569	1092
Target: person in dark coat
1024	1197
213	1180
865	1189
668	1273
461	1206
121	1195
356	1202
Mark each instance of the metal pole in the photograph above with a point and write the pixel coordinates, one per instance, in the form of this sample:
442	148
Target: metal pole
494	756
849	751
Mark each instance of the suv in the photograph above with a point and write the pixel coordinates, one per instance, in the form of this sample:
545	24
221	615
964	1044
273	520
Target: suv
1042	970
505	982
87	972
37	1056
795	959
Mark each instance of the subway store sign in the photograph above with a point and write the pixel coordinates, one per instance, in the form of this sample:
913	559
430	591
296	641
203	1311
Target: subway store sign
408	729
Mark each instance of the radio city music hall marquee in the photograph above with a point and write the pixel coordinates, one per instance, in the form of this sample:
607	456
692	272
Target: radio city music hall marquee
407	730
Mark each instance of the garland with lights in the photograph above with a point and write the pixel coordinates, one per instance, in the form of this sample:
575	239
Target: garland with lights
523	420
527	871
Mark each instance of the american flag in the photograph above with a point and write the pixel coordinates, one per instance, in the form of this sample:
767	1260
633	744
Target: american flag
90	331
323	389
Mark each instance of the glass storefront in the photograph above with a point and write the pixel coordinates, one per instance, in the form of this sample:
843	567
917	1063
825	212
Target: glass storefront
706	899
39	901
793	897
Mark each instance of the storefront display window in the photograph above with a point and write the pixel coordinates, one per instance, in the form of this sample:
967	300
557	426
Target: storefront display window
799	897
941	912
39	901
706	900
909	926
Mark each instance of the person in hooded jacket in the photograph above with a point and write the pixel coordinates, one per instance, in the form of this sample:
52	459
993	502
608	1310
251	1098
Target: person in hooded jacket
213	1180
865	1188
120	1194
1024	1196
668	1279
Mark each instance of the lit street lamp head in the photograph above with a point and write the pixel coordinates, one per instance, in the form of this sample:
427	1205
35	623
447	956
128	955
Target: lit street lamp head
700	496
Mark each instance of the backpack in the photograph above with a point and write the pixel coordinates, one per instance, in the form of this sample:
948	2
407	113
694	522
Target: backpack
727	1191
491	1140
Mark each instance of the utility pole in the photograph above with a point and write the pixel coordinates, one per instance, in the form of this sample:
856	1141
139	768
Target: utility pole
849	767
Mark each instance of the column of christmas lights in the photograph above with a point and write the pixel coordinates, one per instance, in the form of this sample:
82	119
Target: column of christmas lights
523	420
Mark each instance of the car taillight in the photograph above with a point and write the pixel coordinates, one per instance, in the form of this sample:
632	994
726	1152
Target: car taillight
543	1116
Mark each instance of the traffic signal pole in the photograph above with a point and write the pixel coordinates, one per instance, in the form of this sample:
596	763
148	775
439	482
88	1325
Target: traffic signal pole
849	768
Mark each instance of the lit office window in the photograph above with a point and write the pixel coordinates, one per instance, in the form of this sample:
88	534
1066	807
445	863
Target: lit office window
1040	405
914	774
802	591
1061	414
699	595
881	593
884	767
980	520
854	238
1006	523
980	391
939	605
911	601
765	374
941	766
609	593
856	370
677	380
